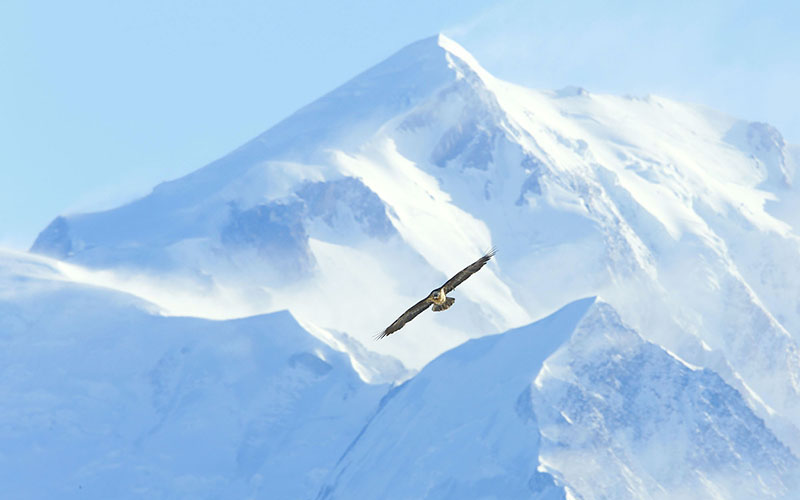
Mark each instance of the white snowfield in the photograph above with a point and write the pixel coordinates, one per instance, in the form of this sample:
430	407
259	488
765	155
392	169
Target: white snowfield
275	265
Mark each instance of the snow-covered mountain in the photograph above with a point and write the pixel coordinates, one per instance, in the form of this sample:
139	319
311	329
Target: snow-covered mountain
102	397
684	220
574	405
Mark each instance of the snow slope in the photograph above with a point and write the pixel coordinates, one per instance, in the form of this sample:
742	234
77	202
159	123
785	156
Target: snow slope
576	404
623	418
101	397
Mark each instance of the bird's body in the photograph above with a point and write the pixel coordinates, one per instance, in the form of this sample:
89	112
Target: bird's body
438	297
448	301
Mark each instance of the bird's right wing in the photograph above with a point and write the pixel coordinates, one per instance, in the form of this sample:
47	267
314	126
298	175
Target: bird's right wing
404	318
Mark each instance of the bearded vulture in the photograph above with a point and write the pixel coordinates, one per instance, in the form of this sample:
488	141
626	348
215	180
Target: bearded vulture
438	297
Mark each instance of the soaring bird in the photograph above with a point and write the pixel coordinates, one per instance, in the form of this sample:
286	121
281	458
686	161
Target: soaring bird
438	296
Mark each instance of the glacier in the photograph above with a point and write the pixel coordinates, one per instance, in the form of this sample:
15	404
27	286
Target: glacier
328	225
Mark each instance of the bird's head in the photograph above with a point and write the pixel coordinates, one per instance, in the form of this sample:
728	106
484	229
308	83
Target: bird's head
436	294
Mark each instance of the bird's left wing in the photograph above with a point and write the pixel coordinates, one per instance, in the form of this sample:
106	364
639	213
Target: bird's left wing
468	271
404	318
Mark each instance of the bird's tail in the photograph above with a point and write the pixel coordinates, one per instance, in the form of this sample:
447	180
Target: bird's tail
447	303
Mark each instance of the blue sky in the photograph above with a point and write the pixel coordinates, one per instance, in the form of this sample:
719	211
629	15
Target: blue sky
102	100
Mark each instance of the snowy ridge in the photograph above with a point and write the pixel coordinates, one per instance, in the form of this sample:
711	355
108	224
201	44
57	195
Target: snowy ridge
104	399
118	401
556	407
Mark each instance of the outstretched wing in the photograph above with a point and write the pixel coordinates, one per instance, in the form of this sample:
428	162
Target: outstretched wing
468	271
404	318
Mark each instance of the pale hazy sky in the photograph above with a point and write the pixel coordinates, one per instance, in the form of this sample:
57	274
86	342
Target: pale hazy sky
100	101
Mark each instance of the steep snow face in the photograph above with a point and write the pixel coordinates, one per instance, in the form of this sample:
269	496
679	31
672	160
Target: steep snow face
349	211
622	418
574	406
101	398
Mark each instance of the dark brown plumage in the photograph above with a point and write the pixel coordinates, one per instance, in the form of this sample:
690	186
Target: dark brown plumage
438	297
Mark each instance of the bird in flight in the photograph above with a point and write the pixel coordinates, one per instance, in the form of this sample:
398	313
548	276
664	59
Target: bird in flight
438	297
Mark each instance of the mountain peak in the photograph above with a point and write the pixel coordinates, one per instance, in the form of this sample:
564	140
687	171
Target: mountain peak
441	52
454	48
392	86
439	41
433	60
